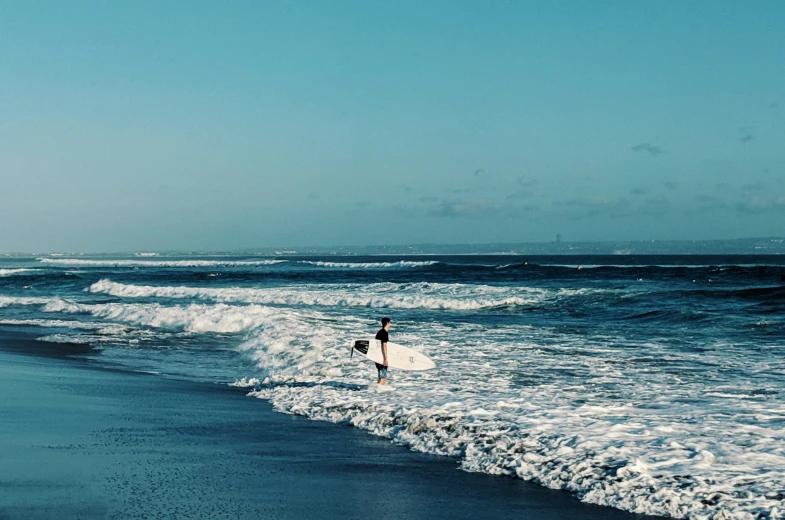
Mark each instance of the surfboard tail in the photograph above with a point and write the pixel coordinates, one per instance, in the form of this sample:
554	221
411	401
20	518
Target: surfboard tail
361	345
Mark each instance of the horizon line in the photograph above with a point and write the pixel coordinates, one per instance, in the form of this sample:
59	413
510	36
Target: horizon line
293	250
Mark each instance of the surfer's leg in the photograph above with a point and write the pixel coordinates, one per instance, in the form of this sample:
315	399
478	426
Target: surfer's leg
382	374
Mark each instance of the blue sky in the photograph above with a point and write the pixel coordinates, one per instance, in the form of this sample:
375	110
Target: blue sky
214	126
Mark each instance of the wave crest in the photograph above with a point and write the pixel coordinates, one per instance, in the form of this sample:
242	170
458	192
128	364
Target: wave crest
370	265
157	263
10	301
199	318
11	272
419	295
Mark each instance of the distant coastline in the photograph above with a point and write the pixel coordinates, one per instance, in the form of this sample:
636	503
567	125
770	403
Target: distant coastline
739	246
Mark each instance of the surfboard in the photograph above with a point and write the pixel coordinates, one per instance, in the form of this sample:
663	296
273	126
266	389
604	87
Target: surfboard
398	356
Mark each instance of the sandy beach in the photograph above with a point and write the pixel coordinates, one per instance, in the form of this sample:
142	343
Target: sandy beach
82	440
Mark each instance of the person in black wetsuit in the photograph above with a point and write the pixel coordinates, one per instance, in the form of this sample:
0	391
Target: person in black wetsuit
384	337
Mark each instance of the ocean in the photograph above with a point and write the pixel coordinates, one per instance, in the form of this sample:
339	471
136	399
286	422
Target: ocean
652	384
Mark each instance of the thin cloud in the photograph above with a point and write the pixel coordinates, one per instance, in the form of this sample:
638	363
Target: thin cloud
746	134
520	211
658	205
528	182
587	207
478	208
647	147
595	206
357	209
407	210
761	204
755	186
706	203
462	207
582	202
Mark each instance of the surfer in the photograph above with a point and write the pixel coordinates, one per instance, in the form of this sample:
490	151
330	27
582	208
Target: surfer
384	337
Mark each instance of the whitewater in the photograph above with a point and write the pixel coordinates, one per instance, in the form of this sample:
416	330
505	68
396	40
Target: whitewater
654	386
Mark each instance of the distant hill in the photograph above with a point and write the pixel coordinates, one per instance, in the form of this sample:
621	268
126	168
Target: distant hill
741	246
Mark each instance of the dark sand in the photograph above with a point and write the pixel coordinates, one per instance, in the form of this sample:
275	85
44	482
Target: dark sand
78	440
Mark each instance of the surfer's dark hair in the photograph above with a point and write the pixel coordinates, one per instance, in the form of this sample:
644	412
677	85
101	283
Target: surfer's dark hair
385	321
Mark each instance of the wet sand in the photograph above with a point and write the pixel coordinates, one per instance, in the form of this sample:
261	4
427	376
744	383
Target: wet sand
80	440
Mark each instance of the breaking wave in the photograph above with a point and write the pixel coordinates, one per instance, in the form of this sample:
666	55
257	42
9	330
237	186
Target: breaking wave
218	318
420	295
11	272
59	324
646	451
9	301
370	265
158	263
610	384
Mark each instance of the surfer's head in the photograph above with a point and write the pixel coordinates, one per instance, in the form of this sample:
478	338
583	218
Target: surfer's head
386	323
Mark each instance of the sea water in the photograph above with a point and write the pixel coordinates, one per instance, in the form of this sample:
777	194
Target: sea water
650	384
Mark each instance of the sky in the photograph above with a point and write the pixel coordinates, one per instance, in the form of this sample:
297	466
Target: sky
194	125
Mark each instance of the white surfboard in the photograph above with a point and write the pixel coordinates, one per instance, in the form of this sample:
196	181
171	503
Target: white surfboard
398	356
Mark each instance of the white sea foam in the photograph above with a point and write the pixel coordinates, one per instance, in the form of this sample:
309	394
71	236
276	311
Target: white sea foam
114	335
88	331
219	318
379	295
8	301
246	383
501	404
65	324
597	415
370	265
66	338
158	263
11	272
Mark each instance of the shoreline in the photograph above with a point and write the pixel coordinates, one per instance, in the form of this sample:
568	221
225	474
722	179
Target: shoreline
84	441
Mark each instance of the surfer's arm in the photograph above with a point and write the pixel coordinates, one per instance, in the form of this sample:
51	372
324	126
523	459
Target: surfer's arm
384	353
